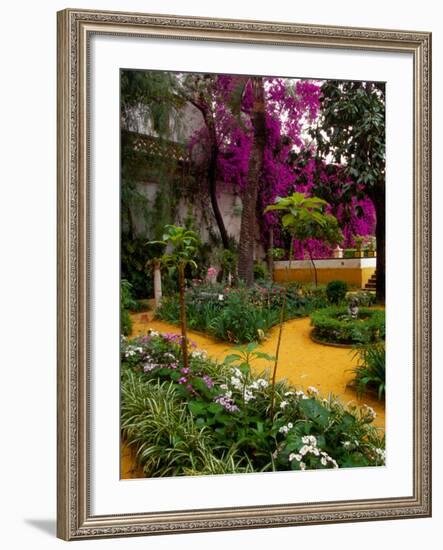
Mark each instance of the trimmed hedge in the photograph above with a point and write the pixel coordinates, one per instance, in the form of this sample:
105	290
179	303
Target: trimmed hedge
334	325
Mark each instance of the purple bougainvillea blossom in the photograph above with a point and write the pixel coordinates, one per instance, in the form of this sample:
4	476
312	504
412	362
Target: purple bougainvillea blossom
289	162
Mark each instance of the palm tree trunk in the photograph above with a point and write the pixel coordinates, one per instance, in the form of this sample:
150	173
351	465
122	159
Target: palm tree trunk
181	288
250	194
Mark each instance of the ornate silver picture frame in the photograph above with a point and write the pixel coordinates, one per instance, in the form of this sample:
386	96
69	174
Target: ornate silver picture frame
75	518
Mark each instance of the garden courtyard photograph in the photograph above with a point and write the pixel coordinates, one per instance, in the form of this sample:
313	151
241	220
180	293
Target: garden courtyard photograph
252	291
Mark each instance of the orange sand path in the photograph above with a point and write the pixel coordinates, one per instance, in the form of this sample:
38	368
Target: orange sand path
303	362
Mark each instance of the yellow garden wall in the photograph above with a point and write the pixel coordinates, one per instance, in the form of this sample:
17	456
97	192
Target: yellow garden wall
355	275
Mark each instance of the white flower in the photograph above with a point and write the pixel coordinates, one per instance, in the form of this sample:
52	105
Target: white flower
221	297
298	457
305	450
294	456
381	453
312	391
248	395
262	382
302	466
223	386
199	354
285	429
237	372
346	444
288	393
309	439
153	332
323	461
283	404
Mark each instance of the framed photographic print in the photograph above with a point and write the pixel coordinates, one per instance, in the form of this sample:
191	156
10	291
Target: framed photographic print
243	274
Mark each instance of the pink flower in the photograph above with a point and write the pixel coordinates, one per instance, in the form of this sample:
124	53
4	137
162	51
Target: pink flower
208	381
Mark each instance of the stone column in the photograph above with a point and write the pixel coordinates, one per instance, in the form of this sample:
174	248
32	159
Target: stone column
157	283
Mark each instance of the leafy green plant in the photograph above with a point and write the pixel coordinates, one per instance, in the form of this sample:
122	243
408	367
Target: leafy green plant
260	271
336	291
214	417
277	253
182	243
304	218
127	304
370	372
363	298
241	315
349	252
335	325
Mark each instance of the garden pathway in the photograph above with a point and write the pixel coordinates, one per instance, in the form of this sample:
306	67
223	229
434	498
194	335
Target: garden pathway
302	361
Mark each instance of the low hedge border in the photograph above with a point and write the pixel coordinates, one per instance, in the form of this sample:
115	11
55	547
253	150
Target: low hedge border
334	325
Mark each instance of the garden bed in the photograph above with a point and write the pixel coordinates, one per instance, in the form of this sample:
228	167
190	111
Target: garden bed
218	418
240	315
335	325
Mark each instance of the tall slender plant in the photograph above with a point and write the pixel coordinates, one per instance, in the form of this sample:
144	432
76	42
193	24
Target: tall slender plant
304	218
181	246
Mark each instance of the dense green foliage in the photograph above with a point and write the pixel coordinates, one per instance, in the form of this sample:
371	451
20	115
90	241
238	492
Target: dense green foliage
241	314
214	418
127	304
363	298
336	291
370	372
335	325
351	129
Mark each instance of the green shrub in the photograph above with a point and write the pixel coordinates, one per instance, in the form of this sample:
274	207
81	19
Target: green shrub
363	298
127	304
335	325
260	271
336	291
349	252
214	417
370	372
